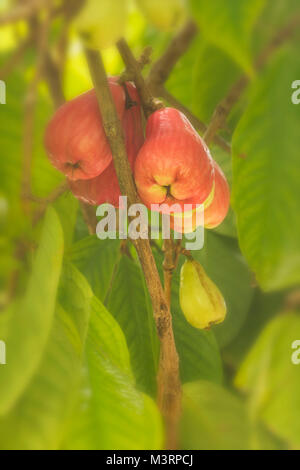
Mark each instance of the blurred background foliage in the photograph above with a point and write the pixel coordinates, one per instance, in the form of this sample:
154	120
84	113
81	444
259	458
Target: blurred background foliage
82	350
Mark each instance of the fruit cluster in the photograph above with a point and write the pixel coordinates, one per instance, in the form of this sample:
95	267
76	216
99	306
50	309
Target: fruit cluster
172	165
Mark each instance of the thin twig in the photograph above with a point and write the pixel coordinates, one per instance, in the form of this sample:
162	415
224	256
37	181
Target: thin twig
149	103
14	60
23	11
53	76
89	215
144	59
161	69
225	106
168	377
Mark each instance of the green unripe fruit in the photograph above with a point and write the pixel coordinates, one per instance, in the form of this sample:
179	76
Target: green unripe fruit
164	14
101	22
201	301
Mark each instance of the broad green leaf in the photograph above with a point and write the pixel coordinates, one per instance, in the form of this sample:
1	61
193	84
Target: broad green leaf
97	260
39	418
266	173
112	413
229	25
213	419
31	323
228	226
130	306
276	15
272	380
213	74
263	308
198	350
180	82
224	264
44	176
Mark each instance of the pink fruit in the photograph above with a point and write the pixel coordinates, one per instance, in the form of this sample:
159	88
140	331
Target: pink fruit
105	187
217	210
174	165
75	140
215	207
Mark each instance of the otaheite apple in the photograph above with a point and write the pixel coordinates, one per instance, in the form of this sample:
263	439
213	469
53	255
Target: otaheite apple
164	14
215	207
174	165
216	212
188	220
102	22
105	187
75	140
200	299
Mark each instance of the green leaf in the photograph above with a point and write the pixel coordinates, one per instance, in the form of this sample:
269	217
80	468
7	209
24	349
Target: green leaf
224	264
31	323
228	226
180	82
266	172
130	306
272	381
44	176
276	15
263	308
67	208
39	418
112	413
213	419
97	260
213	74
229	25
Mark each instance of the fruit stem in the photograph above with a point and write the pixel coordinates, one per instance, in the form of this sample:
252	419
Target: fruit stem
169	388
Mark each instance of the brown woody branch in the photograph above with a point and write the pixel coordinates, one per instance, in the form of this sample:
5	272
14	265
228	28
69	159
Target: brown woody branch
169	390
133	68
161	69
225	106
14	60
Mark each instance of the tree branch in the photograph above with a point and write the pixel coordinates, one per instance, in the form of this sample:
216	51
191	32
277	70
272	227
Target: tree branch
23	11
133	68
16	57
161	69
169	390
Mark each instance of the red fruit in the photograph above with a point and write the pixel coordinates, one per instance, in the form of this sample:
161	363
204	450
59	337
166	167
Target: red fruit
174	165
217	210
105	187
75	140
